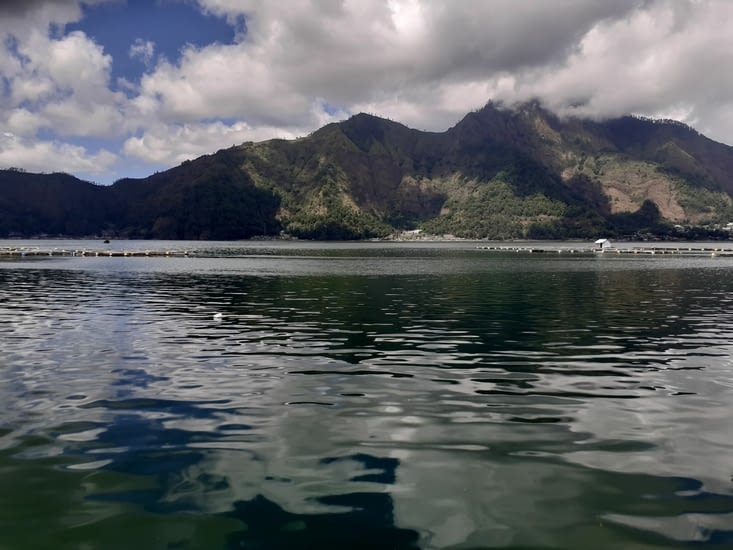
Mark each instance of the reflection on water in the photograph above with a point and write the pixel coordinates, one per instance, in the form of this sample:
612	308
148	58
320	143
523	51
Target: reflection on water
344	398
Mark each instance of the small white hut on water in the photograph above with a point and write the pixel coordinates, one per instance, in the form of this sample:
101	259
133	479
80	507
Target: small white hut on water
602	244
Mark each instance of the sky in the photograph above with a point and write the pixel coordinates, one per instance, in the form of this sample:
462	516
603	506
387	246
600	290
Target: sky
105	89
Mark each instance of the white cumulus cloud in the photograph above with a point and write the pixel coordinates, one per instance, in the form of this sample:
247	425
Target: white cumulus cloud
52	156
173	143
293	66
144	50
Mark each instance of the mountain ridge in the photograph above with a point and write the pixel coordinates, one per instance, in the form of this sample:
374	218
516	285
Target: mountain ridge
497	173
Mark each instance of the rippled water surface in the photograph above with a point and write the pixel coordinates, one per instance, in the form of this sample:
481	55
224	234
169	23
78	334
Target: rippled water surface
287	395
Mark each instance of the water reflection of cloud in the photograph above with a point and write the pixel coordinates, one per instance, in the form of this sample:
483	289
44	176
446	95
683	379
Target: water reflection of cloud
465	407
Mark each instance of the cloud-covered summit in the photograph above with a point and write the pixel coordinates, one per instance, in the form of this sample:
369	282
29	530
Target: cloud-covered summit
286	68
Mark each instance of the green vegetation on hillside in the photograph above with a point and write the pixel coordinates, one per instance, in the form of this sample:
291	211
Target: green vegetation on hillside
494	211
498	174
54	204
701	202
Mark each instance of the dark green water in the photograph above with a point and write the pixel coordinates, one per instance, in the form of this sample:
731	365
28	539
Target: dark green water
363	396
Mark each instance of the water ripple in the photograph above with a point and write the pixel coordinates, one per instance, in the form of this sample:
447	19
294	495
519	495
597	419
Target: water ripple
546	405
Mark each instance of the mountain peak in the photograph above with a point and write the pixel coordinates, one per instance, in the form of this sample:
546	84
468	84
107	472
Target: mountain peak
501	172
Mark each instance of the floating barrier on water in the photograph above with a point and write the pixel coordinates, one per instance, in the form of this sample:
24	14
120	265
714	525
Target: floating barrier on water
31	252
37	252
590	251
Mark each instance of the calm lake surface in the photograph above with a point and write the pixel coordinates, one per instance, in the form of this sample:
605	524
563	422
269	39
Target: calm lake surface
366	395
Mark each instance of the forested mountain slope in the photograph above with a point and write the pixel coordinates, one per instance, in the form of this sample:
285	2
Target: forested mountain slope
498	173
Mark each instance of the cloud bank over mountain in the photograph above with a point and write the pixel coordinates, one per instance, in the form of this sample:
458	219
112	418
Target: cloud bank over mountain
88	91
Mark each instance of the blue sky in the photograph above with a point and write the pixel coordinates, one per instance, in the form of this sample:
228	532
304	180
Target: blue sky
166	26
105	89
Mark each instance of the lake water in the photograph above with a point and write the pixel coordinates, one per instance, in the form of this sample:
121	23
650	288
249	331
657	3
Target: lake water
365	395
